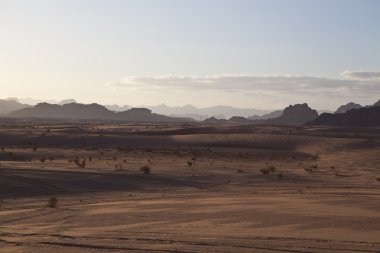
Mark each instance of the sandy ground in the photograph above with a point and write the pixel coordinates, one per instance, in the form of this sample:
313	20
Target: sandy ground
210	189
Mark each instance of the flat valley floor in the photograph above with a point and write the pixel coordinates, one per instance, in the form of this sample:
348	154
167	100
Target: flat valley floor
188	188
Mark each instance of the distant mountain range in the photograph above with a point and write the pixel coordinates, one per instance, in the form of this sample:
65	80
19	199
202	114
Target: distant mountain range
9	105
350	114
219	111
297	114
91	111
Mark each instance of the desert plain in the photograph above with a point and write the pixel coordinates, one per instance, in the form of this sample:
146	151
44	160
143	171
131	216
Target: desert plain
94	187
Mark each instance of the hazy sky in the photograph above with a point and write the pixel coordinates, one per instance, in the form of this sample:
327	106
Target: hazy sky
264	54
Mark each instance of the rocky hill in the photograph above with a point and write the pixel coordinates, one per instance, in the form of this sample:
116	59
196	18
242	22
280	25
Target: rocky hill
347	107
295	114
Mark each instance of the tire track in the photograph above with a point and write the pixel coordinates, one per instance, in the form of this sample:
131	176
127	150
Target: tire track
35	182
299	244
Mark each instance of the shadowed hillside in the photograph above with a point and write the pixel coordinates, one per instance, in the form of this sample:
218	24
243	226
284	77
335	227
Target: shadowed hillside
363	117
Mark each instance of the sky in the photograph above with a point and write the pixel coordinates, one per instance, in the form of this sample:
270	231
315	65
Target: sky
246	53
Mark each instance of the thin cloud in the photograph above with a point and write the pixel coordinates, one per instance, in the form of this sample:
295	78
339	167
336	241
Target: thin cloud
257	84
361	75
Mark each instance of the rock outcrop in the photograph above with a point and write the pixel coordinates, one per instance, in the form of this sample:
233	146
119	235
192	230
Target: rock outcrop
295	114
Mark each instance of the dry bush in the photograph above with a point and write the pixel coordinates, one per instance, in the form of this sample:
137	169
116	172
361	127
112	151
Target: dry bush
308	169
279	176
268	170
145	169
240	171
189	163
265	171
80	164
42	159
52	202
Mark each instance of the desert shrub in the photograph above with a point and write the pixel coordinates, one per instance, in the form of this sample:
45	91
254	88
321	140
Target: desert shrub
42	159
308	169
279	175
314	166
240	171
268	169
51	158
332	167
52	202
378	179
189	163
80	164
265	171
34	149
145	169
